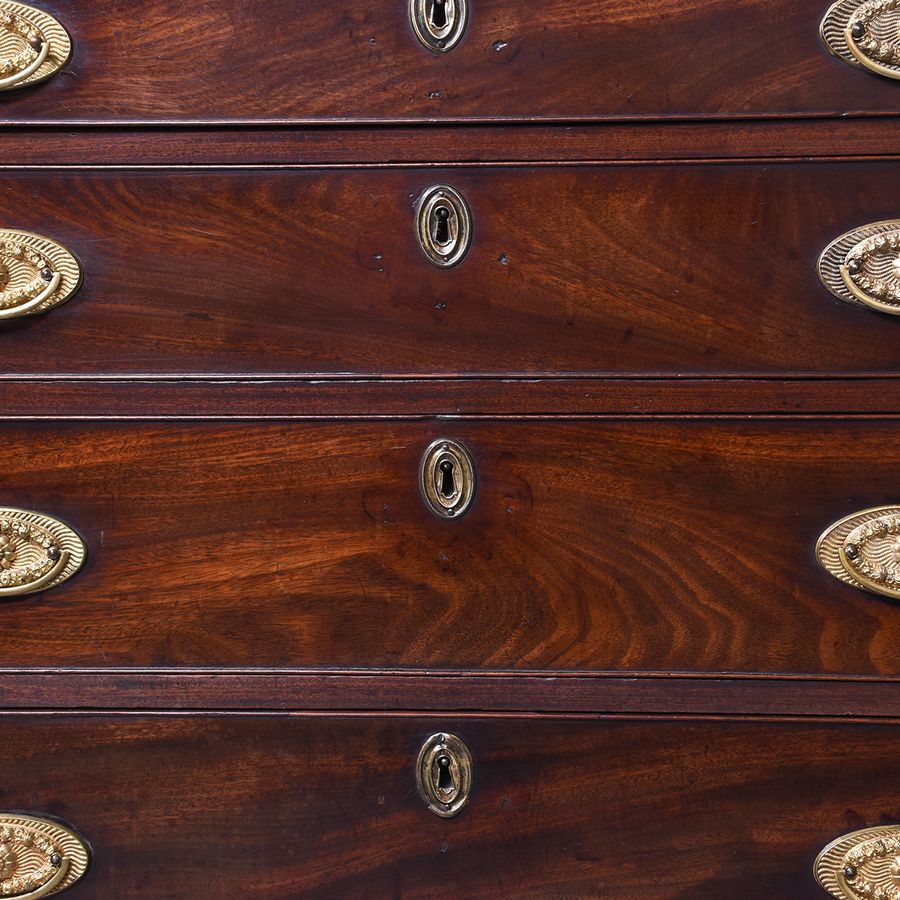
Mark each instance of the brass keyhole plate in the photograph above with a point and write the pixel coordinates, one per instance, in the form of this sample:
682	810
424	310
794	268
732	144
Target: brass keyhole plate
447	479
439	24
443	225
444	774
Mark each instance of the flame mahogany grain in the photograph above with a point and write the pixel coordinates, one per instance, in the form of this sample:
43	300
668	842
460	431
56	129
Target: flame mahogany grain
317	61
592	544
284	807
668	269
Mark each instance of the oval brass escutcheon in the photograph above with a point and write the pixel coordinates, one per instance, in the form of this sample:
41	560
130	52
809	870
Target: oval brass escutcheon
862	865
439	24
865	33
443	225
38	857
863	550
33	45
447	478
37	552
36	274
444	774
862	267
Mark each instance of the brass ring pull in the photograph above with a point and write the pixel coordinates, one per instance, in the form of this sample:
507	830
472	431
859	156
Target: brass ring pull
40	45
861	864
37	552
865	34
43	856
13	81
863	550
36	274
862	267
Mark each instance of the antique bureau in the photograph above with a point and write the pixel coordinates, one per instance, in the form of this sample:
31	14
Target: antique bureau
450	449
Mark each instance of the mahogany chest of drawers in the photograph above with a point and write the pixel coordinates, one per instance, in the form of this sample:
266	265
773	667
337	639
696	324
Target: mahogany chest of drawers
448	449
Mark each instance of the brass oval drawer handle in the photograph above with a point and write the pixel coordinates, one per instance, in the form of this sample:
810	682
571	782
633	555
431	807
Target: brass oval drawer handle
444	774
862	267
862	865
36	274
439	24
39	857
863	550
37	552
865	33
41	46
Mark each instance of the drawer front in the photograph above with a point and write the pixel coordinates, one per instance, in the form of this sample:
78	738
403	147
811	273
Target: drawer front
280	61
256	806
587	269
589	544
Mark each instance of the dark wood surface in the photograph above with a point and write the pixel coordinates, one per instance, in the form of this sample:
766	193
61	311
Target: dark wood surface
222	807
259	399
280	61
428	144
671	269
433	691
596	545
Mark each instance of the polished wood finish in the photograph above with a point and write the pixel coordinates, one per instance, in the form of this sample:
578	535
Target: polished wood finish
433	144
703	269
658	545
279	61
281	807
474	692
71	399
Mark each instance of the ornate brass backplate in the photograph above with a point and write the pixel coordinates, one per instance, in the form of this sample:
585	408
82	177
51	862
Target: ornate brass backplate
37	552
38	857
863	550
439	24
33	45
863	267
865	33
443	225
36	274
444	774
447	478
864	865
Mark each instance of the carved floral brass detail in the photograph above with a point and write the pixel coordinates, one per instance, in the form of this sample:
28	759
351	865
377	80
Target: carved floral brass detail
36	274
37	552
863	550
33	45
38	857
864	865
863	267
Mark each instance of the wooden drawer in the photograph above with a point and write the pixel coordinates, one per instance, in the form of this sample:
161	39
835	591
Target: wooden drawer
275	806
586	269
280	61
591	544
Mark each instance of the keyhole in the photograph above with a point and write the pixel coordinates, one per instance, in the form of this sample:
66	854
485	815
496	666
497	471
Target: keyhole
442	225
448	483
439	14
445	779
